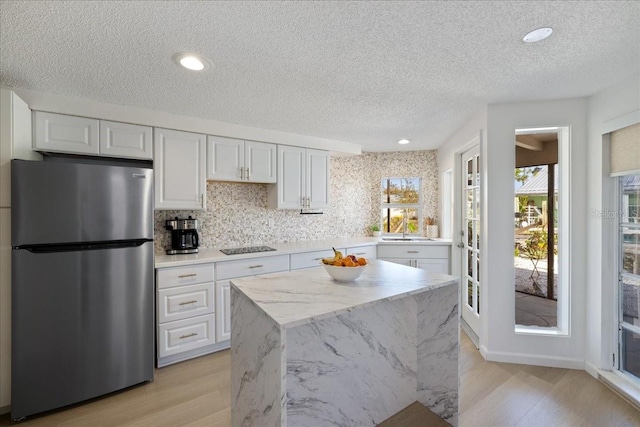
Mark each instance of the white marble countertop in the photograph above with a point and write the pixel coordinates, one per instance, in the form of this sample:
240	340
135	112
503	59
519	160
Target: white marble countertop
214	254
303	296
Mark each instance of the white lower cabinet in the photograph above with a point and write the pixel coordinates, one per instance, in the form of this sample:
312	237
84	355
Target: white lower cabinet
184	302
223	310
185	308
368	252
434	258
194	301
184	335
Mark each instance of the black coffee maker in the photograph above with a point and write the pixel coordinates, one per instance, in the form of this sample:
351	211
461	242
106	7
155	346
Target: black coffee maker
184	236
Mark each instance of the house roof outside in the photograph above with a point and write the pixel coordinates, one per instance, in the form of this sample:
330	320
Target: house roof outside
631	184
537	184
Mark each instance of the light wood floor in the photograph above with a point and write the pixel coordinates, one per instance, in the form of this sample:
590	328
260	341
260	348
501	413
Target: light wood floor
196	393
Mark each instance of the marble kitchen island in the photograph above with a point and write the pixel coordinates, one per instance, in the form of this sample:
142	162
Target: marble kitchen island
308	351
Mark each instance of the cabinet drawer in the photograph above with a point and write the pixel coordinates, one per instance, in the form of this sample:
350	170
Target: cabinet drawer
184	335
185	301
188	275
311	259
368	252
251	267
412	251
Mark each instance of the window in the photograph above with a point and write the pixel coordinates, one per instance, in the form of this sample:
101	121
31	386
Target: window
401	206
629	275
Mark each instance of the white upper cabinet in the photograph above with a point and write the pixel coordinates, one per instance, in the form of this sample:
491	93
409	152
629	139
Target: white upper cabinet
65	134
225	158
260	161
80	135
125	140
179	170
317	177
230	159
303	179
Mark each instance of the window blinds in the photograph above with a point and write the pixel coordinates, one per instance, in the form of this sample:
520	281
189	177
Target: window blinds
625	151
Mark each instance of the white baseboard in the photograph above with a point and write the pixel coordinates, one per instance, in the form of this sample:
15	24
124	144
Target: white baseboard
532	359
592	370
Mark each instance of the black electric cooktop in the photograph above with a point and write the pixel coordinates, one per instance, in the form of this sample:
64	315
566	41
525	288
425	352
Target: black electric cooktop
247	250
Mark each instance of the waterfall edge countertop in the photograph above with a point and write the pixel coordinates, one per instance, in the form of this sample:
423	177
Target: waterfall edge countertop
303	296
214	255
306	350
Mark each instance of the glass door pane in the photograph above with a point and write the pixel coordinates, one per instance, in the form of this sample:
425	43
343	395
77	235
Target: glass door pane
629	276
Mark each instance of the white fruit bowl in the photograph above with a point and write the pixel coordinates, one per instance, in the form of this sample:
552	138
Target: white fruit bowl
344	274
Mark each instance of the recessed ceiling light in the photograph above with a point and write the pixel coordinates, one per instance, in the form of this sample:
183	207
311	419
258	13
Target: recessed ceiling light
404	141
537	35
192	61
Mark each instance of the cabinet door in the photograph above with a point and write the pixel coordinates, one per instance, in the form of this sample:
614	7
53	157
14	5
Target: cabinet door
260	162
317	186
65	134
125	140
225	159
179	170
434	265
223	310
291	177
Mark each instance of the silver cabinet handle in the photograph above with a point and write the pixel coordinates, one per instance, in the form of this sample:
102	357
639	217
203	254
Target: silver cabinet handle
184	276
188	302
412	252
193	334
248	176
256	266
361	253
241	173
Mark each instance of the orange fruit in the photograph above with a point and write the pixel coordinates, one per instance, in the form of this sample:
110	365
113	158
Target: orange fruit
349	263
362	261
338	263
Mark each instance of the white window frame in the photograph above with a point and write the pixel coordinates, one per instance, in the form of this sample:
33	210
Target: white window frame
417	206
565	142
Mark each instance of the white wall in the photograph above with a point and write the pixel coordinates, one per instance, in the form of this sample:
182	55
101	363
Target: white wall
502	342
610	104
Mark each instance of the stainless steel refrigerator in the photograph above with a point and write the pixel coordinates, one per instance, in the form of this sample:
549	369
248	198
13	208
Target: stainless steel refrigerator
82	282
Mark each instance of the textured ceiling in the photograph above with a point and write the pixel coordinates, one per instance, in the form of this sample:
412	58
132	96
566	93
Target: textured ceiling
369	73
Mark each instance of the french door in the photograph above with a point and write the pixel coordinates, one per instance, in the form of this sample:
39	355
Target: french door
470	242
629	276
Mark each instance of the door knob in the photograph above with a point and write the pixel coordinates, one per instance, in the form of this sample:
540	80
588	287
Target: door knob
460	245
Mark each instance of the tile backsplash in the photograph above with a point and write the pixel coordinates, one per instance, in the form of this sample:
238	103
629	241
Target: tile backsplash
237	213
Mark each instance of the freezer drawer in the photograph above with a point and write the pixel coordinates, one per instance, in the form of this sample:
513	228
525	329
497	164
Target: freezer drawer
83	325
184	335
